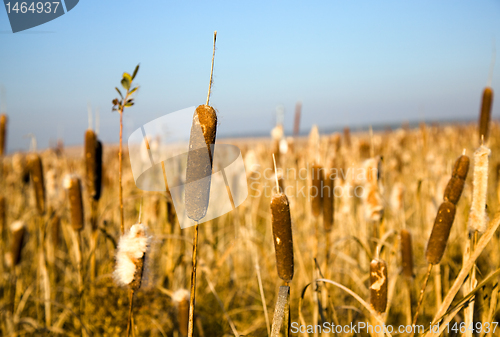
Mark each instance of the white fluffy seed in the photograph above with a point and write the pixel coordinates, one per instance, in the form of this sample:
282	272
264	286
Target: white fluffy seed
477	215
131	247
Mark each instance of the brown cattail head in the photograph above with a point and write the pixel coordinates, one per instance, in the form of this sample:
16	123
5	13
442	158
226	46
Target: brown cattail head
454	190
98	170
3	133
329	199
93	164
440	232
317	182
406	253
199	162
36	173
282	232
181	299
484	118
378	285
18	229
73	187
139	270
461	167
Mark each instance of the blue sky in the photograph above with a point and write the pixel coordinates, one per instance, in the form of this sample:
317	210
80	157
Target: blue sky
350	63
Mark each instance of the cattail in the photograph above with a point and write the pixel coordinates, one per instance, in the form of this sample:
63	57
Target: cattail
199	162
461	167
454	190
18	229
36	173
181	299
329	201
406	253
3	134
317	182
93	164
477	216
130	255
72	184
282	232
98	170
378	285
440	232
485	116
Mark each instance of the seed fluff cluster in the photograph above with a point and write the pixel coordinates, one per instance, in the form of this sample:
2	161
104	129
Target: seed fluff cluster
131	250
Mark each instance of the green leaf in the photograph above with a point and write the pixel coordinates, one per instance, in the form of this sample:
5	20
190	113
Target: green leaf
133	90
125	83
129	104
119	92
135	71
127	76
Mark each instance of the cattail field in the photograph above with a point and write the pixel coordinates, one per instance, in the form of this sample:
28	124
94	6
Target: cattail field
370	208
389	228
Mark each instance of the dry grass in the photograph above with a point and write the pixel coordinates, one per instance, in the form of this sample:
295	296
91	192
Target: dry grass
233	243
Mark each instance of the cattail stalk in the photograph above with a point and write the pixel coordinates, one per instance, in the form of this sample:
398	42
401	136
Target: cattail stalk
283	246
130	256
443	222
198	176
